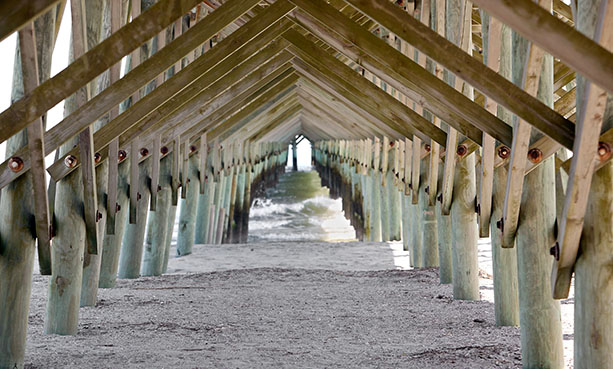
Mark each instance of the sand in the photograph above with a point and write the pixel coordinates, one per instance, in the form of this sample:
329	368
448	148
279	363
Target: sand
281	305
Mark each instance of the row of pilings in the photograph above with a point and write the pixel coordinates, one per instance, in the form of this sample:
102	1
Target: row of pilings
387	198
214	195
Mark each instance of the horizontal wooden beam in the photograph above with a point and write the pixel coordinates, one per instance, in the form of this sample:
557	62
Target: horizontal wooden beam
556	37
471	70
102	57
16	14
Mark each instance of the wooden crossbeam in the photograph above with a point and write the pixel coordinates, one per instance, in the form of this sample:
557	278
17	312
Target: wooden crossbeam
92	64
520	148
589	125
123	88
17	14
408	77
161	102
463	65
86	143
36	141
322	61
576	50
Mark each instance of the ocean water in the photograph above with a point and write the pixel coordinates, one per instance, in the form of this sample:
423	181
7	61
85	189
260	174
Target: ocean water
298	209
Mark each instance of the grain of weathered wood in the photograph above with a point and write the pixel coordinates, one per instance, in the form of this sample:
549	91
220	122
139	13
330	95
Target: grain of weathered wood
471	70
15	15
575	49
94	62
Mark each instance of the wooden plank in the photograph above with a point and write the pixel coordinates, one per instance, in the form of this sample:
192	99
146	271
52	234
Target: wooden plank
113	152
466	67
204	149
176	171
92	64
134	194
579	52
402	73
36	142
185	171
408	157
489	143
589	125
86	143
17	14
123	88
520	147
155	172
160	103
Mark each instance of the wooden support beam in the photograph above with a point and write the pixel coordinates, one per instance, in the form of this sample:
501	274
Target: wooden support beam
520	148
576	50
155	172
203	158
15	15
145	72
160	103
466	67
401	72
585	149
96	61
36	142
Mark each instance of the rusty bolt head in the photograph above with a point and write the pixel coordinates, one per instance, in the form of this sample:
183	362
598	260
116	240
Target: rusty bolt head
604	151
15	164
192	149
122	155
461	150
391	143
144	152
504	152
535	155
164	150
427	147
70	161
97	157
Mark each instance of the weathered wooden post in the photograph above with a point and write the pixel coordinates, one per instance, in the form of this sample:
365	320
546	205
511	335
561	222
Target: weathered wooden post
155	241
539	313
134	237
112	242
504	260
394	195
16	206
187	216
294	155
429	233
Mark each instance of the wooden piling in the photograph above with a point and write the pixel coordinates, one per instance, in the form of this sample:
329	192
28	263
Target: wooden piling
429	232
155	241
134	237
189	205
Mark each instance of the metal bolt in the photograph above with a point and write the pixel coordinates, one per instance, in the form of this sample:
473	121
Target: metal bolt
15	164
164	150
70	161
193	148
97	157
461	150
440	198
121	155
555	251
98	215
535	155
504	152
144	152
138	196
604	151
427	147
117	207
159	188
427	189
